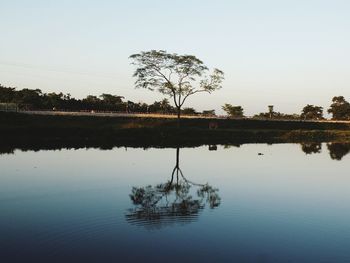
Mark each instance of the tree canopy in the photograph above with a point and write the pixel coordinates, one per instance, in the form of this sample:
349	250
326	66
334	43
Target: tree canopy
233	111
177	76
311	112
340	108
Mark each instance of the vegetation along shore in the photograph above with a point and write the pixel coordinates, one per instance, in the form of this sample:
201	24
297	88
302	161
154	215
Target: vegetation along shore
18	129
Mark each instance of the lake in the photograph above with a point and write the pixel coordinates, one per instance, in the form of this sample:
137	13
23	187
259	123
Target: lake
243	203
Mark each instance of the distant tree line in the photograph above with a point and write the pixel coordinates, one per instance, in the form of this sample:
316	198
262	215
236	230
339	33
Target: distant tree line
340	110
35	99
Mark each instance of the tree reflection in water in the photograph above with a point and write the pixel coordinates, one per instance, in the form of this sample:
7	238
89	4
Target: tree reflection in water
177	201
338	150
310	148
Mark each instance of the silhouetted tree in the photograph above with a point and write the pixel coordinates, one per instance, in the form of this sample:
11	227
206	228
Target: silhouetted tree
340	108
233	111
30	98
189	111
277	115
54	100
311	112
165	106
7	95
178	76
112	102
111	99
92	103
209	113
162	106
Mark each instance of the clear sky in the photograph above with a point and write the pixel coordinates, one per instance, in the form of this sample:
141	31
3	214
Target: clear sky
286	53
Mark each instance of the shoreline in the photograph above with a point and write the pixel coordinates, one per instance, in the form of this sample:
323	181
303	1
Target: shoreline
26	129
167	116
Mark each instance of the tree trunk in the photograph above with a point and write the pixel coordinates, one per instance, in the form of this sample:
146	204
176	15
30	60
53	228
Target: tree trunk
178	116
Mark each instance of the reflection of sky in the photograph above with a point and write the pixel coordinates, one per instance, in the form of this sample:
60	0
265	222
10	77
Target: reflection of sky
284	206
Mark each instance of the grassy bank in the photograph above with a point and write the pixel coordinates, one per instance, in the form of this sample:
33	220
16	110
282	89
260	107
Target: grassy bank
24	129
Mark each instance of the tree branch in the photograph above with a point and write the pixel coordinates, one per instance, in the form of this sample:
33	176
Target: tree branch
191	93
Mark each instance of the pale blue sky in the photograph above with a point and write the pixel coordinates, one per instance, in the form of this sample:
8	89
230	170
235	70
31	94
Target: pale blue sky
286	53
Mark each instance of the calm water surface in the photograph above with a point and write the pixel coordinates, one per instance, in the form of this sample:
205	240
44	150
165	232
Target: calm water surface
169	205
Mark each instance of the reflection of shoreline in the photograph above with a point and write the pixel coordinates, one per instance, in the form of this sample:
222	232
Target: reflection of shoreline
336	150
27	132
177	201
157	138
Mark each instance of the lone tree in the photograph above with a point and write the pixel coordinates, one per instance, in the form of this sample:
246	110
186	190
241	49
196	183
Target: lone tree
177	76
233	111
311	112
340	108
